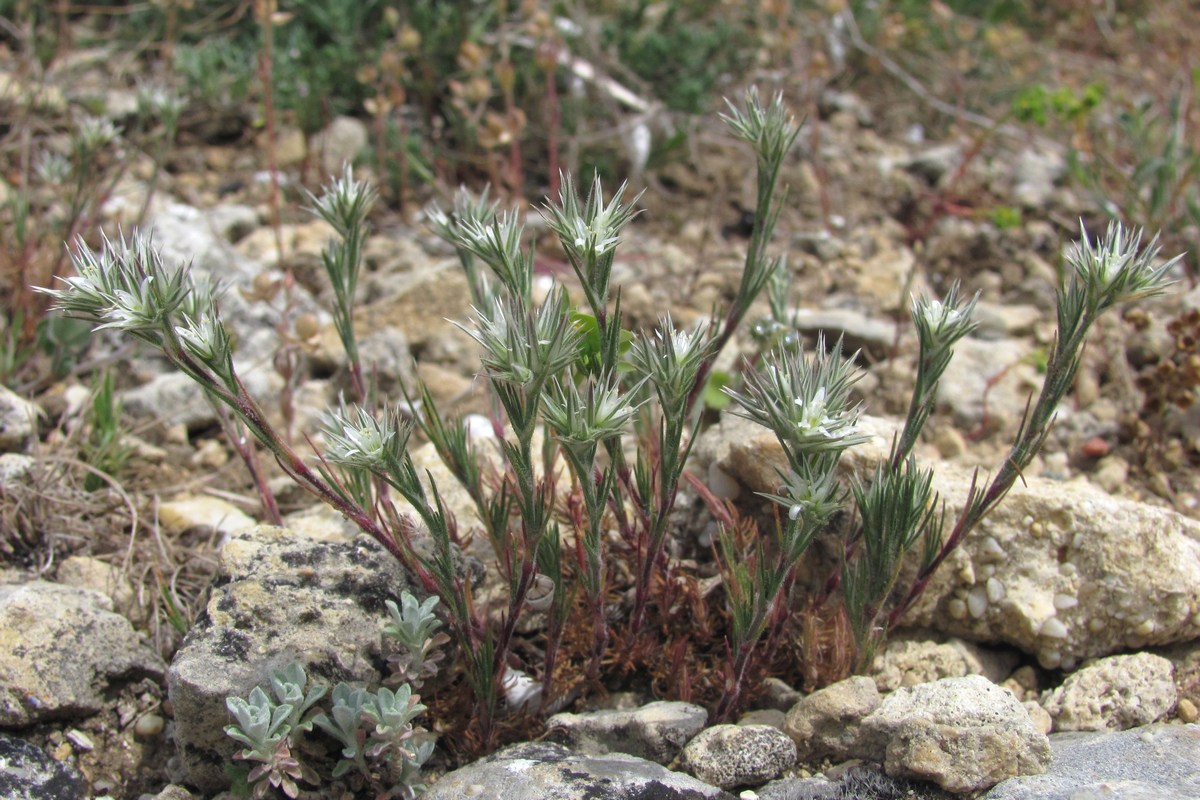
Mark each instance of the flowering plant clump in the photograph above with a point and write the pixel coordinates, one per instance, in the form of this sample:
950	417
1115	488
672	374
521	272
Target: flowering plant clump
589	554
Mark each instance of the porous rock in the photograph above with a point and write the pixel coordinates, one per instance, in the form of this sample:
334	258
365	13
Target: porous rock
86	572
964	734
1113	694
28	773
656	731
1150	763
548	771
826	723
739	755
60	649
276	598
908	662
1066	572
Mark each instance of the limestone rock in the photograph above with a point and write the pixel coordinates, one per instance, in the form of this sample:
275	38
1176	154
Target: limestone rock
739	755
656	731
964	734
1114	694
826	723
171	792
60	649
976	362
1066	572
86	572
202	511
908	662
546	771
1150	763
276	598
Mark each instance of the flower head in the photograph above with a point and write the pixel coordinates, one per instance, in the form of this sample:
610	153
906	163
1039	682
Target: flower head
1116	268
805	400
941	323
357	438
671	359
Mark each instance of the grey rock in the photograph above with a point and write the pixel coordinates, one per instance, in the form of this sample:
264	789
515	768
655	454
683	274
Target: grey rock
1151	763
200	240
185	235
1114	694
738	755
777	694
232	221
859	331
547	771
826	723
656	731
833	101
1002	320
18	421
341	141
964	734
170	399
60	649
977	362
276	598
86	572
1035	175
28	773
863	782
170	792
935	162
822	244
13	469
764	716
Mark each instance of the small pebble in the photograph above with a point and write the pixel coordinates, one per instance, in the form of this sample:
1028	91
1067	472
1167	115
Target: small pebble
949	442
1096	447
148	726
1187	710
80	739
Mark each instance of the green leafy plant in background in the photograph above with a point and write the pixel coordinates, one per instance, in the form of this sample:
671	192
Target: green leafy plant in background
103	446
682	49
1145	170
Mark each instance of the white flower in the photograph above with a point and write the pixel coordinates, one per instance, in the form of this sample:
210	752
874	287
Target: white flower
813	419
940	316
358	439
133	310
203	339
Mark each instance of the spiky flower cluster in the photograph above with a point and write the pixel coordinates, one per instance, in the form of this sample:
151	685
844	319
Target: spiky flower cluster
805	400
